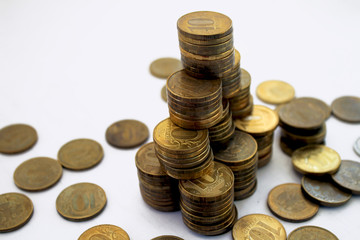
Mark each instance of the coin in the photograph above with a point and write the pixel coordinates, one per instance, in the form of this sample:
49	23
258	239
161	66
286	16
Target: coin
17	138
311	233
321	104
163	93
316	160
275	92
37	174
357	146
147	162
80	154
167	237
347	108
16	210
258	226
348	176
105	231
287	202
164	67
81	201
127	133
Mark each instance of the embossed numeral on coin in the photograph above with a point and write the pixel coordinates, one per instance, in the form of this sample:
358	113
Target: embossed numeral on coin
264	232
82	202
201	24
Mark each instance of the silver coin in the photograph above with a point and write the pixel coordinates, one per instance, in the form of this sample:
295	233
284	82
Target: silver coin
357	146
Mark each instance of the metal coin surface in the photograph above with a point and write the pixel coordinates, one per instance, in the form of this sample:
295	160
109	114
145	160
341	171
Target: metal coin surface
321	104
258	226
347	109
357	146
316	160
287	202
80	154
105	231
164	67
37	174
163	93
167	237
275	92
17	138
81	201
127	133
147	162
348	176
15	211
311	233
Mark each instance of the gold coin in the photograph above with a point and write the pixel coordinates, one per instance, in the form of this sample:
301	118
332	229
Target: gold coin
81	201
275	92
311	233
17	138
15	211
80	154
167	237
164	67
258	226
163	93
316	160
147	162
105	231
127	133
37	174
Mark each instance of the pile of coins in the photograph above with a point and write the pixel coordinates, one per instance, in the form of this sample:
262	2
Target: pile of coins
231	79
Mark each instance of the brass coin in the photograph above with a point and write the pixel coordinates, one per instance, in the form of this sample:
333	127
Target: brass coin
17	138
275	92
347	109
147	162
324	192
163	93
258	226
321	104
311	233
167	237
105	231
80	154
164	67
81	201
16	210
316	160
287	202
348	176
245	80
37	174
127	133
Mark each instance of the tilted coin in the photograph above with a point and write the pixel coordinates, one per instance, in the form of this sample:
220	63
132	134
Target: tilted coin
287	202
275	91
37	174
17	138
147	162
15	211
311	233
164	67
167	237
80	154
348	176
105	231
357	146
347	108
163	93
81	201
127	133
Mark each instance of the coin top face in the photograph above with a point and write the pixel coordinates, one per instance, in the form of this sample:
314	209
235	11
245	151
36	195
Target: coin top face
164	67
17	138
348	176
258	226
311	233
347	108
37	174
147	161
15	210
319	103
127	133
287	202
167	237
316	160
275	92
357	146
80	154
105	231
81	201
163	93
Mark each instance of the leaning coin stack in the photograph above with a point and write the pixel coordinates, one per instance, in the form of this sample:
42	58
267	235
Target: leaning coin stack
207	203
157	189
231	79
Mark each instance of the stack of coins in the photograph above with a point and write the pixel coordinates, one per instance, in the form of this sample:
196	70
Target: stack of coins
231	79
240	155
182	153
194	103
157	189
207	203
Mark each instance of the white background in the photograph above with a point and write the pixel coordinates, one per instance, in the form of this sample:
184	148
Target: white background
71	68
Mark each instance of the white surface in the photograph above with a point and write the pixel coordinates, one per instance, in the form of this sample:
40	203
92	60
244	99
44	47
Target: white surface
71	68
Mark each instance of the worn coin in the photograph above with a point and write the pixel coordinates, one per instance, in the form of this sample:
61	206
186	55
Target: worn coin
167	237
37	174
311	233
127	133
105	231
164	67
357	146
347	108
163	93
348	176
17	138
287	202
81	201
275	92
321	104
147	162
15	211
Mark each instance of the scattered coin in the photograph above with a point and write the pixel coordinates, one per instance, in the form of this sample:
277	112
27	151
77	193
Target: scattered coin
311	233
164	67
81	201
357	146
167	237
15	211
37	174
80	154
275	92
105	231
163	93
17	138
127	133
348	176
347	108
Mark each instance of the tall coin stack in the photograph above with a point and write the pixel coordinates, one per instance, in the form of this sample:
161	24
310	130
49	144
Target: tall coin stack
231	79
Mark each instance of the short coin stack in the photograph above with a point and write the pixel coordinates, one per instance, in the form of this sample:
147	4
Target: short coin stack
231	79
